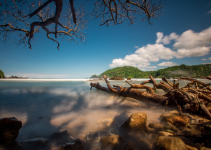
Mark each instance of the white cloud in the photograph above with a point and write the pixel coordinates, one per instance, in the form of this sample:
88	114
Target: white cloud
207	59
136	47
195	52
189	39
144	55
151	67
205	63
188	44
168	63
166	39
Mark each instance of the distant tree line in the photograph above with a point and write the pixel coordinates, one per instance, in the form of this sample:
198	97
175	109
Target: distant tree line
174	71
2	74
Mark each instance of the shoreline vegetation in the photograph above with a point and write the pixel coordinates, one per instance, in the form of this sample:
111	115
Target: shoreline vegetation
195	71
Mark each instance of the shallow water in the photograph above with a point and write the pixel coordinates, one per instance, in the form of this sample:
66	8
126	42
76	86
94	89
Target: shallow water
45	107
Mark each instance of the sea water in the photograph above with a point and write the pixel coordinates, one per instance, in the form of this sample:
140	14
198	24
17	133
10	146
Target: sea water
50	105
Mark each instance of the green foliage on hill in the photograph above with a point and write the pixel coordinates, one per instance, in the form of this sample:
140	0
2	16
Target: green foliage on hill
1	74
124	72
175	71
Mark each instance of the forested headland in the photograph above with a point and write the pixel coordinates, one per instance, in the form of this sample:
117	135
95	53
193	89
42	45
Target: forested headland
169	72
1	74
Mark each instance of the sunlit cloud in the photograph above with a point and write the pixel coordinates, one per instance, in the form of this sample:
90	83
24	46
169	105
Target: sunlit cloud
169	63
151	67
188	44
166	39
207	59
136	47
206	63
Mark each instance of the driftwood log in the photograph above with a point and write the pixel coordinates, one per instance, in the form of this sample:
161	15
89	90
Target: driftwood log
194	97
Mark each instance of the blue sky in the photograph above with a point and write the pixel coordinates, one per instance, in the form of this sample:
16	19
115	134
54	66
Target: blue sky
182	35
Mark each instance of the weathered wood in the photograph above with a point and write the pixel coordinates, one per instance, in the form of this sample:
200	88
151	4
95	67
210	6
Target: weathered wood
192	99
139	86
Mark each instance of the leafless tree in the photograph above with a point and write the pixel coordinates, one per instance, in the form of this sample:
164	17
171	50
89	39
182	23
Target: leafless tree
21	19
114	12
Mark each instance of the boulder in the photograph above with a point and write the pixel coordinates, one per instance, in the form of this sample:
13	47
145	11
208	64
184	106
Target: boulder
113	142
153	138
9	130
187	141
170	143
163	133
137	121
129	146
204	148
191	147
105	122
34	144
156	126
173	119
75	145
59	135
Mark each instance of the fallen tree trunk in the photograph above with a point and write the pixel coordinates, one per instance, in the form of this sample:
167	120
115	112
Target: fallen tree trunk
192	99
130	92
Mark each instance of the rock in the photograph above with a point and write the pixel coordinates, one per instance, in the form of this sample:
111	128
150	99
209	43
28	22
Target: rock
62	135
198	145
136	121
175	112
204	148
191	147
34	144
113	141
9	130
129	146
76	145
105	122
186	141
170	143
175	120
163	133
156	126
153	138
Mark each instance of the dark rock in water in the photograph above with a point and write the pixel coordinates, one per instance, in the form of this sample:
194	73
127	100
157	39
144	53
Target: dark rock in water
136	121
170	143
58	135
34	144
129	146
112	142
76	145
9	130
156	126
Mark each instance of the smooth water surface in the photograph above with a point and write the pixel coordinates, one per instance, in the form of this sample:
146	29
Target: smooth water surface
45	107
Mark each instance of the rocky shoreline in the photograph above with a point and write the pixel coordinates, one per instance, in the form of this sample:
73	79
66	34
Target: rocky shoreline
173	132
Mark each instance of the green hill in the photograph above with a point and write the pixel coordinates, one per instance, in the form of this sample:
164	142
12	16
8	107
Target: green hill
1	74
175	71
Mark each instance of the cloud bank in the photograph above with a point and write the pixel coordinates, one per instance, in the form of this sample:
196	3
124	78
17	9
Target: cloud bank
188	44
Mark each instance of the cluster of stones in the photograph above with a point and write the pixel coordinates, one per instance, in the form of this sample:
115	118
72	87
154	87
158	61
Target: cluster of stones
174	132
